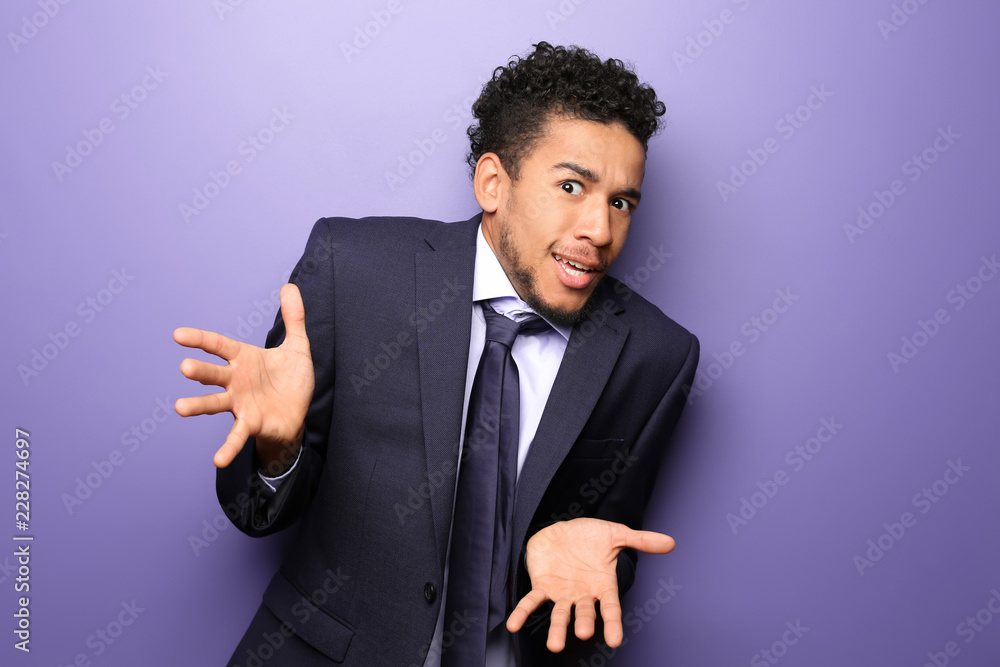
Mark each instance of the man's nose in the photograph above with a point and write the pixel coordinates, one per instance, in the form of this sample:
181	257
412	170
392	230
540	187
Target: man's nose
595	225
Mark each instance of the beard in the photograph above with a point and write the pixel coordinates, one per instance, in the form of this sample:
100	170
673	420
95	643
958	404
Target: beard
523	280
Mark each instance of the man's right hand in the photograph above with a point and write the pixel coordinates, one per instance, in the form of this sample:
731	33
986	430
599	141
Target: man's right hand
267	390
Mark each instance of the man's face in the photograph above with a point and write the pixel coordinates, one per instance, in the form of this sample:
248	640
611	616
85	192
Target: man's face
559	227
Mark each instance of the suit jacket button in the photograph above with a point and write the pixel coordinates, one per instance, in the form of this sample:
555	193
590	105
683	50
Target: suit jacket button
430	592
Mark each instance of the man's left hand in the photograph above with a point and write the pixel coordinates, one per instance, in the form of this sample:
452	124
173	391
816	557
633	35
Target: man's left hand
574	564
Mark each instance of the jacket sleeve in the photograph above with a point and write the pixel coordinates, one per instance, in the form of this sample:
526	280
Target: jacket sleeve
248	501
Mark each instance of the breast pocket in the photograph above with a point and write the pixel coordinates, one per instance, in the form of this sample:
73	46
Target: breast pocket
589	471
587	449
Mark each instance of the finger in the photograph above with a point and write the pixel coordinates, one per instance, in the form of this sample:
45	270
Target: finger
237	437
524	608
209	341
646	541
611	613
558	622
586	618
293	314
206	373
210	404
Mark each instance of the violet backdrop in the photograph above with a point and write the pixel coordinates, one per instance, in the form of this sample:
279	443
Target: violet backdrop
825	190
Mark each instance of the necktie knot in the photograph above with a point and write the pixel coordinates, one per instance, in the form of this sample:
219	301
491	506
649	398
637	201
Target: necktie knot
503	330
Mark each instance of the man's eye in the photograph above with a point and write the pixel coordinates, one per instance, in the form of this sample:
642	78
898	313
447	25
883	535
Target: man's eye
572	187
622	204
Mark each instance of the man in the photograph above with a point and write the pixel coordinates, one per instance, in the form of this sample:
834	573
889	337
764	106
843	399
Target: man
368	418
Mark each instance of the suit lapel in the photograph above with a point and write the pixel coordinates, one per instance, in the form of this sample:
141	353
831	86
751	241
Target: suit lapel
590	357
443	331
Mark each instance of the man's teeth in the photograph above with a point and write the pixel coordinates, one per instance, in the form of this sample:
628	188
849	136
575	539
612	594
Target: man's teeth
573	268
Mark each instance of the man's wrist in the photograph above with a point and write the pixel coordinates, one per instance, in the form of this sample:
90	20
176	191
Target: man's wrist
274	459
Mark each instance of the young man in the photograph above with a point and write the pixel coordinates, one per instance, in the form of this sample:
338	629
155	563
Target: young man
468	478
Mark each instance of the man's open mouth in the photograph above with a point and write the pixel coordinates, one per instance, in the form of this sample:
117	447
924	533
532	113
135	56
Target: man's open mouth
572	268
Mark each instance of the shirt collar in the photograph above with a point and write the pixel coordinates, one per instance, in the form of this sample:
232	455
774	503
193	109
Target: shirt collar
491	282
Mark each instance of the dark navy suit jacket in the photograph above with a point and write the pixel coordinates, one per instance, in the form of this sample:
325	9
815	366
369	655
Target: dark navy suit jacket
388	308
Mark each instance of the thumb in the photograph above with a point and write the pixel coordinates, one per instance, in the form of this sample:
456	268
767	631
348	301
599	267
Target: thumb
293	314
648	541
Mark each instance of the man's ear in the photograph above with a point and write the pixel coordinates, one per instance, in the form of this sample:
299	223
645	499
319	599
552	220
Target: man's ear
490	182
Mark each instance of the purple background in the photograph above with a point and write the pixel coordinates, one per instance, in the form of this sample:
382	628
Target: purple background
355	117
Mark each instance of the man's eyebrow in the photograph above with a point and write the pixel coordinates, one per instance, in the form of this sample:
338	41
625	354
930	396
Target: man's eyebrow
631	192
591	176
582	171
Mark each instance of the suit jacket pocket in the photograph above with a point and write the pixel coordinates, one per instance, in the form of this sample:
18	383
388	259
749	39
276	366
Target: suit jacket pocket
311	622
589	448
588	471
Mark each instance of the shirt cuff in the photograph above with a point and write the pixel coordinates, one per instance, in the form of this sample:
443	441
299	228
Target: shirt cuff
274	482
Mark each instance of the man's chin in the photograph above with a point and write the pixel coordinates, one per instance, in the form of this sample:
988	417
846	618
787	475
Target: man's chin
562	316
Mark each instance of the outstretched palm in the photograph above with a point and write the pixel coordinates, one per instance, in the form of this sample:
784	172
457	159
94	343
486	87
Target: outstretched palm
267	390
574	564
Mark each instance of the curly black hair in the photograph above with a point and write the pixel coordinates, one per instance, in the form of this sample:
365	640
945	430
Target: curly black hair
515	104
